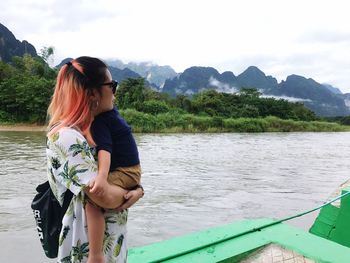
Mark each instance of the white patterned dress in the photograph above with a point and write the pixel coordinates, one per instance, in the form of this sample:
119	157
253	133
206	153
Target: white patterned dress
71	164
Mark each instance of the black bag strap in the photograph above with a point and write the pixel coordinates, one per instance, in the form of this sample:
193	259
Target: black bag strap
68	195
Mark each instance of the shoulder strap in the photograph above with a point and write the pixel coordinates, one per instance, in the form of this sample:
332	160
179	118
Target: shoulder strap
68	195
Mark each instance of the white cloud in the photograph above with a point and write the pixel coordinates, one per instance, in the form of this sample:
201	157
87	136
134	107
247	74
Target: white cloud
291	99
309	38
222	87
347	103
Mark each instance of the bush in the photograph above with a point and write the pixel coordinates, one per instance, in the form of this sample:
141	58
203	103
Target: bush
246	125
6	117
142	122
154	107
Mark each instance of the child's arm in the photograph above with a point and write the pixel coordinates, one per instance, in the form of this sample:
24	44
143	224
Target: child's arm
98	184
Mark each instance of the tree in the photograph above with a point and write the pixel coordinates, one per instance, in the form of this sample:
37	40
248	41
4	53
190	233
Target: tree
131	93
25	89
250	92
46	53
183	102
209	101
154	107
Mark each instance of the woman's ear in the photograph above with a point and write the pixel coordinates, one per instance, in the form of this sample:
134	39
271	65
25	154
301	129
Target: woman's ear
95	95
95	99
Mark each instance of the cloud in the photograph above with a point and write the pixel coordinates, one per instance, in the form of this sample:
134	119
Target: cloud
228	35
222	87
291	99
36	16
347	103
325	37
72	15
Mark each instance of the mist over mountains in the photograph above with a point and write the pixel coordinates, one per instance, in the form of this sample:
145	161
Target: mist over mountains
323	99
151	72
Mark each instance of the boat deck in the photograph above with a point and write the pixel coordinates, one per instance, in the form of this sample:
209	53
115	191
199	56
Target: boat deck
275	254
235	242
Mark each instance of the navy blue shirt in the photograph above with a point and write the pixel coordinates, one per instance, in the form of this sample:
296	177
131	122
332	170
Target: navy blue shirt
111	133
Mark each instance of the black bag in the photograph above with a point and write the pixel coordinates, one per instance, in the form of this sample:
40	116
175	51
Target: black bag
48	216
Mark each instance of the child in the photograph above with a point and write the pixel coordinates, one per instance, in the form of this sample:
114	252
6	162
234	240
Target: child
118	163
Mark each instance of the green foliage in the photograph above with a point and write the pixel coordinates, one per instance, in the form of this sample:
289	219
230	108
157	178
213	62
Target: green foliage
131	93
154	107
211	111
142	122
246	104
340	119
345	120
182	102
149	111
249	93
5	117
46	53
172	122
26	87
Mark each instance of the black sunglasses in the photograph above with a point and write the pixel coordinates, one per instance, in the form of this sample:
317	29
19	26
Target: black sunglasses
113	85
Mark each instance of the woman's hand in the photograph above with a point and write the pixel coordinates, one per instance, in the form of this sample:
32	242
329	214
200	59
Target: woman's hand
131	198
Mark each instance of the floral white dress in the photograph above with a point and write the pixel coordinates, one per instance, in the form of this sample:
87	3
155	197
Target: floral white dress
71	164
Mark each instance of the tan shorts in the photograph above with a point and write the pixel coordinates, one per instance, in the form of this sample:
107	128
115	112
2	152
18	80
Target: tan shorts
126	177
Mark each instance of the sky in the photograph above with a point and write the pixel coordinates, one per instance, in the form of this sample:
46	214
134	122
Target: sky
282	37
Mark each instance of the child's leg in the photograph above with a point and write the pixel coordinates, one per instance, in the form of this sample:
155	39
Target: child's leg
96	229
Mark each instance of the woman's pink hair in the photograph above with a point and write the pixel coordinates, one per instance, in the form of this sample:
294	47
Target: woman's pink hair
71	102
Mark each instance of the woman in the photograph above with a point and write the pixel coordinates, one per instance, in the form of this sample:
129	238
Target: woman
80	94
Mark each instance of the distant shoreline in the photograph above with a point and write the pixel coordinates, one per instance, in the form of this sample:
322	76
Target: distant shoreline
197	124
22	127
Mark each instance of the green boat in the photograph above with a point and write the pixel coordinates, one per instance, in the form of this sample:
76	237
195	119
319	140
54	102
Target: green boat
262	240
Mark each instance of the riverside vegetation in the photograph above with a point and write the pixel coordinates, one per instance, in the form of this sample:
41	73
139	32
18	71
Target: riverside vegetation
26	86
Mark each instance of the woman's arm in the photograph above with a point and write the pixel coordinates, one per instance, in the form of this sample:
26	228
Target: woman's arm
112	196
116	197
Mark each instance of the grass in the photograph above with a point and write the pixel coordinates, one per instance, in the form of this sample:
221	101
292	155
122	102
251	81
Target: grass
189	123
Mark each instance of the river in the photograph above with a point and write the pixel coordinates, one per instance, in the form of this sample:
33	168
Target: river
192	182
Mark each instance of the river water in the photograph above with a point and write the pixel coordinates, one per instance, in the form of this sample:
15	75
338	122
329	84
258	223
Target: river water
192	182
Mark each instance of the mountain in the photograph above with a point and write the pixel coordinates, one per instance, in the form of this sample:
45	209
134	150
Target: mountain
254	77
151	72
10	46
346	97
316	96
332	89
300	87
324	100
195	79
122	74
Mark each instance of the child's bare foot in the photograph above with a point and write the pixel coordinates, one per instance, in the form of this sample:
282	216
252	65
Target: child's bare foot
96	258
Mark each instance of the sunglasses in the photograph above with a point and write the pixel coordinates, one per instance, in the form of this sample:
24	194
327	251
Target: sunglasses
113	85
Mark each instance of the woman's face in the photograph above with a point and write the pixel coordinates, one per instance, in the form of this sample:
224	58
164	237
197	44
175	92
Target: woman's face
105	97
